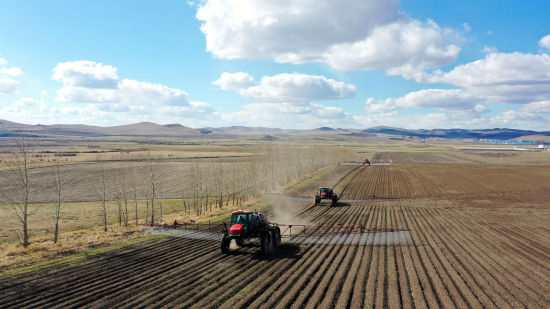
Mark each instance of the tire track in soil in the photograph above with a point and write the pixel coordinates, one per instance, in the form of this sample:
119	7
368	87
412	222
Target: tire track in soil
459	291
328	285
502	296
313	268
290	279
51	281
72	286
68	268
228	293
358	292
451	294
526	287
310	295
346	293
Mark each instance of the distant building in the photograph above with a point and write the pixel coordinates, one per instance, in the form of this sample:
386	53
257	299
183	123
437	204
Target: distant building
541	146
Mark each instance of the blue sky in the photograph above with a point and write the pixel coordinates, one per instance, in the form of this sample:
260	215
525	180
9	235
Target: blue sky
289	64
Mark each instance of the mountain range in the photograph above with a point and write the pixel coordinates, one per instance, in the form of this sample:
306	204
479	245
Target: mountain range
8	128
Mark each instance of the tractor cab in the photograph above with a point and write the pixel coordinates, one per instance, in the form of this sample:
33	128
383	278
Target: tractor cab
240	223
247	225
325	192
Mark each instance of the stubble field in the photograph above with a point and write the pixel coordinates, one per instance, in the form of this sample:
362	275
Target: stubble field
479	237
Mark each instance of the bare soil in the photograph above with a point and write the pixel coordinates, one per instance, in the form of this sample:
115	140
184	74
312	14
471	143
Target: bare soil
479	238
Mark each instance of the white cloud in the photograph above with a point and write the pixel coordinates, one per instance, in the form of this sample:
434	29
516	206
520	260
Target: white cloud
489	49
134	92
502	77
86	74
233	81
480	108
91	82
7	85
347	34
291	115
122	100
500	69
25	102
537	107
13	71
545	42
467	27
298	88
402	48
444	99
286	101
513	78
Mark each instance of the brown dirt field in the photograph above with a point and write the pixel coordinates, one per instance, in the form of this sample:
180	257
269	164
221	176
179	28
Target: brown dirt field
479	237
461	181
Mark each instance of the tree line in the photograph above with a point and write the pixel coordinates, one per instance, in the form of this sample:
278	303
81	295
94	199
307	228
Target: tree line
209	183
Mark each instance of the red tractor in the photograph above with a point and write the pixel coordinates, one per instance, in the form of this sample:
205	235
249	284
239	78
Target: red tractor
326	193
366	161
248	225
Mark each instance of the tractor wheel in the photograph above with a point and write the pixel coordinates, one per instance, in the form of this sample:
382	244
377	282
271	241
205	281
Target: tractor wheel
225	245
265	243
239	242
316	201
276	239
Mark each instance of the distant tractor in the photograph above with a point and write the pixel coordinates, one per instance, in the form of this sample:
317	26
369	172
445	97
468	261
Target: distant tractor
248	225
326	193
366	161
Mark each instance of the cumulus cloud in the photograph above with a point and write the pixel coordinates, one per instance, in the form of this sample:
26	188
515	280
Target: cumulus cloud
298	88
513	78
122	100
86	74
25	102
13	71
445	99
287	101
291	115
500	69
7	85
502	77
489	49
233	81
545	42
378	34
404	48
91	82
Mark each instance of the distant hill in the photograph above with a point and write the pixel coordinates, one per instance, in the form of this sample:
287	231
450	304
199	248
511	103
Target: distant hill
497	133
10	129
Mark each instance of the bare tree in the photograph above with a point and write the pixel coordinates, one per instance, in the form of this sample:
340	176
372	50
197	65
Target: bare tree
152	183
20	165
102	195
135	193
161	191
118	201
146	203
59	187
125	196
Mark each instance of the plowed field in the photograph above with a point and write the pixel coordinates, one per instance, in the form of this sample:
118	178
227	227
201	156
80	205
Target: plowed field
477	247
512	183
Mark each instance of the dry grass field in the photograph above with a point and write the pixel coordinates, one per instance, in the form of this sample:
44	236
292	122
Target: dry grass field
479	237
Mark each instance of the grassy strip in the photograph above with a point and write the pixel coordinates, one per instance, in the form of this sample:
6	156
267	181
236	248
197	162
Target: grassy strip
77	257
309	180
